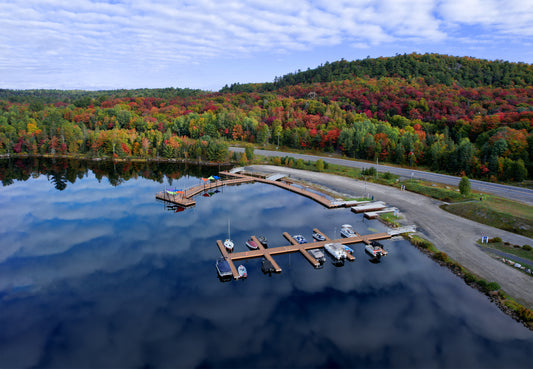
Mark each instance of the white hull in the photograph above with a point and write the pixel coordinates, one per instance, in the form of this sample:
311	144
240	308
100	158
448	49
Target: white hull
228	244
347	231
336	250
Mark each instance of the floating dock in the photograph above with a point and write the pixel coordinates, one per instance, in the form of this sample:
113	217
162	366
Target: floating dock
372	206
267	253
375	214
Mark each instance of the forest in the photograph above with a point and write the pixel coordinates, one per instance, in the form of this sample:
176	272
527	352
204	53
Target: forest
462	116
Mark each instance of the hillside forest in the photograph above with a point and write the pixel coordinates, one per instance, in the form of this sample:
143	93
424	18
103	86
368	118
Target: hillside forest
457	115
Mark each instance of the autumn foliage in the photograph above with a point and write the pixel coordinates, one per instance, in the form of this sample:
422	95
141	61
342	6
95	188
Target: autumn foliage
482	131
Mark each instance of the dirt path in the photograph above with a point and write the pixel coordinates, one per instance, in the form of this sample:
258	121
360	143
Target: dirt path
451	234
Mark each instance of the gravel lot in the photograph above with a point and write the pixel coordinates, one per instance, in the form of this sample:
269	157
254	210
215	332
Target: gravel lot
451	234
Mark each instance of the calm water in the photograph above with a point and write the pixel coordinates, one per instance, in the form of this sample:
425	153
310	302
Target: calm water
101	275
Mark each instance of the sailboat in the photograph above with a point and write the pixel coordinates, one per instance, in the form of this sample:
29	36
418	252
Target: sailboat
228	243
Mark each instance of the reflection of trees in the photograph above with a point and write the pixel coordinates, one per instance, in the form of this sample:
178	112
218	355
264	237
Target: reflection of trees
59	180
60	172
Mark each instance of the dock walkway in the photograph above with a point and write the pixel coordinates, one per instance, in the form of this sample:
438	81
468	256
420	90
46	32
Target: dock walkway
293	247
184	199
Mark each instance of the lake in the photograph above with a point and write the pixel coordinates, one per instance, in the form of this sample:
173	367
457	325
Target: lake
95	272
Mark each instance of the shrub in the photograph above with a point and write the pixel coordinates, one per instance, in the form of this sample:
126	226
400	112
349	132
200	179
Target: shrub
469	278
442	256
319	165
525	314
299	164
464	186
493	286
387	175
369	171
495	240
526	247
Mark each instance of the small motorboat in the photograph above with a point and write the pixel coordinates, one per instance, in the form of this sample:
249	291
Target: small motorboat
318	236
267	267
228	244
243	273
348	249
318	255
347	231
263	240
299	238
375	249
252	244
336	250
223	268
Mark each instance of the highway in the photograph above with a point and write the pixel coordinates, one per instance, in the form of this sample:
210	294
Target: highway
510	192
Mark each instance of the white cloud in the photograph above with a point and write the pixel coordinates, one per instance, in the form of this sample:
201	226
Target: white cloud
55	39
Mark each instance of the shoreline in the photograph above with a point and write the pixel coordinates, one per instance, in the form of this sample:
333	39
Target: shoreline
451	235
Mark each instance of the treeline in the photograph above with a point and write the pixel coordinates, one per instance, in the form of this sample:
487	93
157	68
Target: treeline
482	132
431	68
85	98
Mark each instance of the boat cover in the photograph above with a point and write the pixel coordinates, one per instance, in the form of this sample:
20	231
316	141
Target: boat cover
223	267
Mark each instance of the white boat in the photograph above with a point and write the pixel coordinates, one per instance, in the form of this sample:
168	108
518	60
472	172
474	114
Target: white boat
347	231
228	243
336	250
318	255
299	238
375	249
243	273
318	236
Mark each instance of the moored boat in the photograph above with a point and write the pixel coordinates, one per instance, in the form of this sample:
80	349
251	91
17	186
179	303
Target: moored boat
228	244
299	238
223	268
243	273
348	249
252	244
375	249
263	240
267	267
318	255
336	250
318	236
347	231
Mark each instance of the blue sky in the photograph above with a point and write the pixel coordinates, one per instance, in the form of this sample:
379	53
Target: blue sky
89	44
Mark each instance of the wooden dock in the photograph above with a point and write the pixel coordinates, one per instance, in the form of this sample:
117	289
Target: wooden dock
184	199
267	253
301	191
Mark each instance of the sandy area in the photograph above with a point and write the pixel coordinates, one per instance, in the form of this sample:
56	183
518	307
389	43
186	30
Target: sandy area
451	234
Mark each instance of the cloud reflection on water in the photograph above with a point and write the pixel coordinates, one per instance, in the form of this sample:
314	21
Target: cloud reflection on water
131	284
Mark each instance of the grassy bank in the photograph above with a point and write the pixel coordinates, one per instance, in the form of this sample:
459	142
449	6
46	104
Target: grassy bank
522	251
497	212
491	289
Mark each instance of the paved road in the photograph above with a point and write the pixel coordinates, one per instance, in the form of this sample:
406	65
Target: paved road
451	234
510	192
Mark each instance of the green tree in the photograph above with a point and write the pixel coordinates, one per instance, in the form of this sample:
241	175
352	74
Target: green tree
464	186
249	150
319	165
